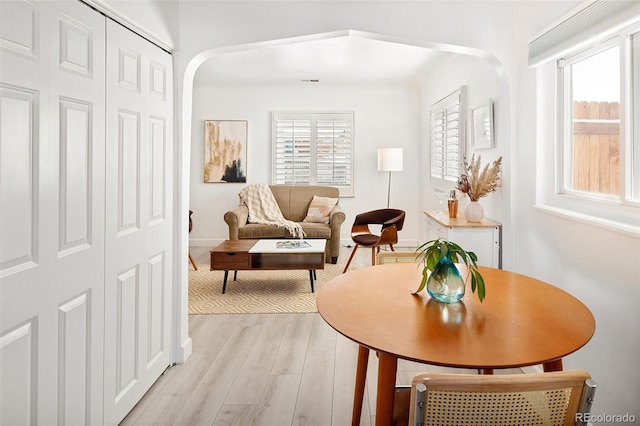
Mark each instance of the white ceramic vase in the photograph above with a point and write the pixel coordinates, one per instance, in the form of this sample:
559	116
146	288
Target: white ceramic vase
474	212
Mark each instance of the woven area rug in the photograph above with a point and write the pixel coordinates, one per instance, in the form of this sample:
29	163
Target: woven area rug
256	292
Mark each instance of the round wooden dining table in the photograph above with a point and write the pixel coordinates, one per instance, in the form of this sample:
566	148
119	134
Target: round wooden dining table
522	321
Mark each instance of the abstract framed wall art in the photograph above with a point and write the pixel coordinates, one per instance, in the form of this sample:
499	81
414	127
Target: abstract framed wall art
225	151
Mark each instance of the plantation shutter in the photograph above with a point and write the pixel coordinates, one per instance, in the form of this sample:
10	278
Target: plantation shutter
314	149
292	151
333	151
447	138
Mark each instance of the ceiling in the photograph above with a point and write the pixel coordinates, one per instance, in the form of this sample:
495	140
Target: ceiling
338	60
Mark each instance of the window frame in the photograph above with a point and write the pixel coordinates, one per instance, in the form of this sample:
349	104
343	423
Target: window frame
347	117
620	214
565	128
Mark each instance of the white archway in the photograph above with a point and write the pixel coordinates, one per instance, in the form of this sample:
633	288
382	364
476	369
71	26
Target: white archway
185	113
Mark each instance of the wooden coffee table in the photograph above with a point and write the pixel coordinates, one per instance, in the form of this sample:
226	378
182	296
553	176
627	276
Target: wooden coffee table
246	255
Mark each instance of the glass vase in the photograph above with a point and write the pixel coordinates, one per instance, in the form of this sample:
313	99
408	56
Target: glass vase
445	284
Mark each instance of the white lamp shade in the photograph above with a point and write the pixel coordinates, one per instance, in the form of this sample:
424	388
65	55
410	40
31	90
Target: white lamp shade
389	159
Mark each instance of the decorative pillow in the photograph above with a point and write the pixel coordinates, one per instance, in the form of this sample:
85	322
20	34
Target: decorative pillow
319	209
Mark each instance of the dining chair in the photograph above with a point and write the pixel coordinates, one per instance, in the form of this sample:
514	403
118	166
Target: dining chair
553	398
390	220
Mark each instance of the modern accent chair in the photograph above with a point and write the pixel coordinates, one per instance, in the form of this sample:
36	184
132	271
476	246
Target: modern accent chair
553	398
391	221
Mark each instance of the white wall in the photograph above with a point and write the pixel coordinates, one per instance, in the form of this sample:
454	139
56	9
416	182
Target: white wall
156	19
597	265
482	83
384	117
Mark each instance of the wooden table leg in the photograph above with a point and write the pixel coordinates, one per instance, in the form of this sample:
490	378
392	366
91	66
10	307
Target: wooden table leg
361	375
555	365
387	368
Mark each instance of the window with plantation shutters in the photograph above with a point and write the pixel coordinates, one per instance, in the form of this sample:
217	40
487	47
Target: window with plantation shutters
313	149
447	139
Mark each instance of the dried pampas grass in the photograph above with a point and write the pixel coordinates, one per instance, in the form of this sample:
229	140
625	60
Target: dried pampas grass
479	184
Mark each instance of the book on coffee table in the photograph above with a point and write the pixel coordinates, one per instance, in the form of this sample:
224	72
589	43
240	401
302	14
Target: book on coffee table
292	244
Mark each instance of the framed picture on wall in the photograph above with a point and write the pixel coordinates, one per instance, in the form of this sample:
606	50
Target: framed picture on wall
482	126
225	151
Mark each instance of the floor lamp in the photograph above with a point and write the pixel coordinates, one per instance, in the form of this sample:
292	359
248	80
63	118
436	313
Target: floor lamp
389	160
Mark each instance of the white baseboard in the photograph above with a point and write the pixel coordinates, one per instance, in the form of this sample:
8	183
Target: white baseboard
205	242
184	351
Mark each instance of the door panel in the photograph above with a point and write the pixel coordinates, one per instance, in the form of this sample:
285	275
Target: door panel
68	260
138	223
52	183
18	178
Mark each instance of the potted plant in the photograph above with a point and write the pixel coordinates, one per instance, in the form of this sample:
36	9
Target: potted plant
440	274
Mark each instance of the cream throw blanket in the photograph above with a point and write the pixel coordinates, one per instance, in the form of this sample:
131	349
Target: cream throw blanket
263	208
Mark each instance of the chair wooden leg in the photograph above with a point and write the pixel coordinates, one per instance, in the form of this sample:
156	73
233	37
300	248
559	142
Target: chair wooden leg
353	252
391	246
373	256
192	262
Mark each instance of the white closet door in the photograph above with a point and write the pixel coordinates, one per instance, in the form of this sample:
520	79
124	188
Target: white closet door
52	180
138	219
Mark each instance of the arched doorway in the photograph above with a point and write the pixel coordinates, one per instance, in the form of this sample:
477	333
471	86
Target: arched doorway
186	117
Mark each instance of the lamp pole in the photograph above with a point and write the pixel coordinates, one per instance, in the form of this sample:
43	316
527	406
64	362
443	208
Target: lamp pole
389	160
389	189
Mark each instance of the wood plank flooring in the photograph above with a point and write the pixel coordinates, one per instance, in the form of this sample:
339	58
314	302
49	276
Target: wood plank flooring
266	370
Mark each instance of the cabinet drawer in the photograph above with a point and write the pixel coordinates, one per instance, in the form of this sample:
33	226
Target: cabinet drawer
229	261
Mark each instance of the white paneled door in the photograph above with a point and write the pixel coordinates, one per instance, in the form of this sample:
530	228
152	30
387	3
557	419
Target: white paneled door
85	215
52	200
138	223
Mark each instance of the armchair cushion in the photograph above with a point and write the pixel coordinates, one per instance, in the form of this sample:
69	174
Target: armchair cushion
320	209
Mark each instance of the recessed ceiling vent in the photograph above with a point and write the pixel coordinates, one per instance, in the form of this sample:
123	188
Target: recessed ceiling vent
309	80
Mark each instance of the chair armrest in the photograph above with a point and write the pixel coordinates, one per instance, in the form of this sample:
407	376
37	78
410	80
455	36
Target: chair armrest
336	217
235	219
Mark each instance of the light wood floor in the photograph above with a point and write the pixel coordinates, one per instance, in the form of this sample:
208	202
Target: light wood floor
266	369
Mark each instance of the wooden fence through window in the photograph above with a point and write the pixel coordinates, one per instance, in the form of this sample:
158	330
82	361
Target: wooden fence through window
596	147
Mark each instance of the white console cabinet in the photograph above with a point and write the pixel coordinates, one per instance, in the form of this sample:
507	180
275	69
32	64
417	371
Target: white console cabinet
483	238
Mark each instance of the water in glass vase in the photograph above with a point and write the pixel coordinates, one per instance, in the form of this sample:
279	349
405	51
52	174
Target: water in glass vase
445	283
